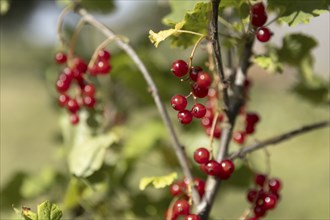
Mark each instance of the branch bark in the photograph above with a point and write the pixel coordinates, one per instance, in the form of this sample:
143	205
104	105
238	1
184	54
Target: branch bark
278	139
233	104
179	149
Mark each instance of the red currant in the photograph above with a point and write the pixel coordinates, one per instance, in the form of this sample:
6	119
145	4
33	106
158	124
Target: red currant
181	207
79	64
103	67
260	179
258	8
194	71
227	168
252	195
60	58
179	102
239	137
63	100
259	211
263	34
179	68
62	86
216	132
73	105
89	90
176	189
270	201
103	55
89	101
200	186
212	168
274	184
201	155
74	119
185	117
199	92
198	110
204	80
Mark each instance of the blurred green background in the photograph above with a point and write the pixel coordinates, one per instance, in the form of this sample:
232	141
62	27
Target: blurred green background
30	123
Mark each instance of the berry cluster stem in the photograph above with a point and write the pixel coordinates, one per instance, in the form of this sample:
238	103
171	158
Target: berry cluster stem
179	149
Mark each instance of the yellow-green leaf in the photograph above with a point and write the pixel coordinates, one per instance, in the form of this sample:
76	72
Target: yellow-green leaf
49	211
158	182
156	38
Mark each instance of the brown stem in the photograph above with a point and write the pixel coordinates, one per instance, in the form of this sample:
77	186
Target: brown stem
278	139
179	149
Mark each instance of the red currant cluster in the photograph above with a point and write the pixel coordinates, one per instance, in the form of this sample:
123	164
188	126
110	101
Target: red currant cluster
181	207
222	170
200	82
265	196
84	95
258	18
250	121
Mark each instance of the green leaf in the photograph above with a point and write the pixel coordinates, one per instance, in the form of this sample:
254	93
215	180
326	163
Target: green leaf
26	213
156	38
158	182
195	20
297	12
49	211
295	48
88	151
268	63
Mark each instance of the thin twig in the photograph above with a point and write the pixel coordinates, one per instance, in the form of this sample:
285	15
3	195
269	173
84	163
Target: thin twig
217	53
179	149
60	22
278	139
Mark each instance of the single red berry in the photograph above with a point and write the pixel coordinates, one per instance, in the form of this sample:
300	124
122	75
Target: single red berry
89	101
270	201
249	129
103	67
176	189
200	186
239	137
179	68
194	71
201	155
89	90
258	8
227	168
179	102
63	100
274	184
212	168
199	92
198	110
258	16
73	105
74	119
204	80
252	118
192	217
185	117
103	55
93	70
213	93
79	64
260	179
60	58
62	86
259	211
263	34
181	207
65	77
216	132
252	195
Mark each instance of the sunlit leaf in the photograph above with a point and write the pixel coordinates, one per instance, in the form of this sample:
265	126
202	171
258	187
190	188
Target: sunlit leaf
158	182
49	211
156	38
269	64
